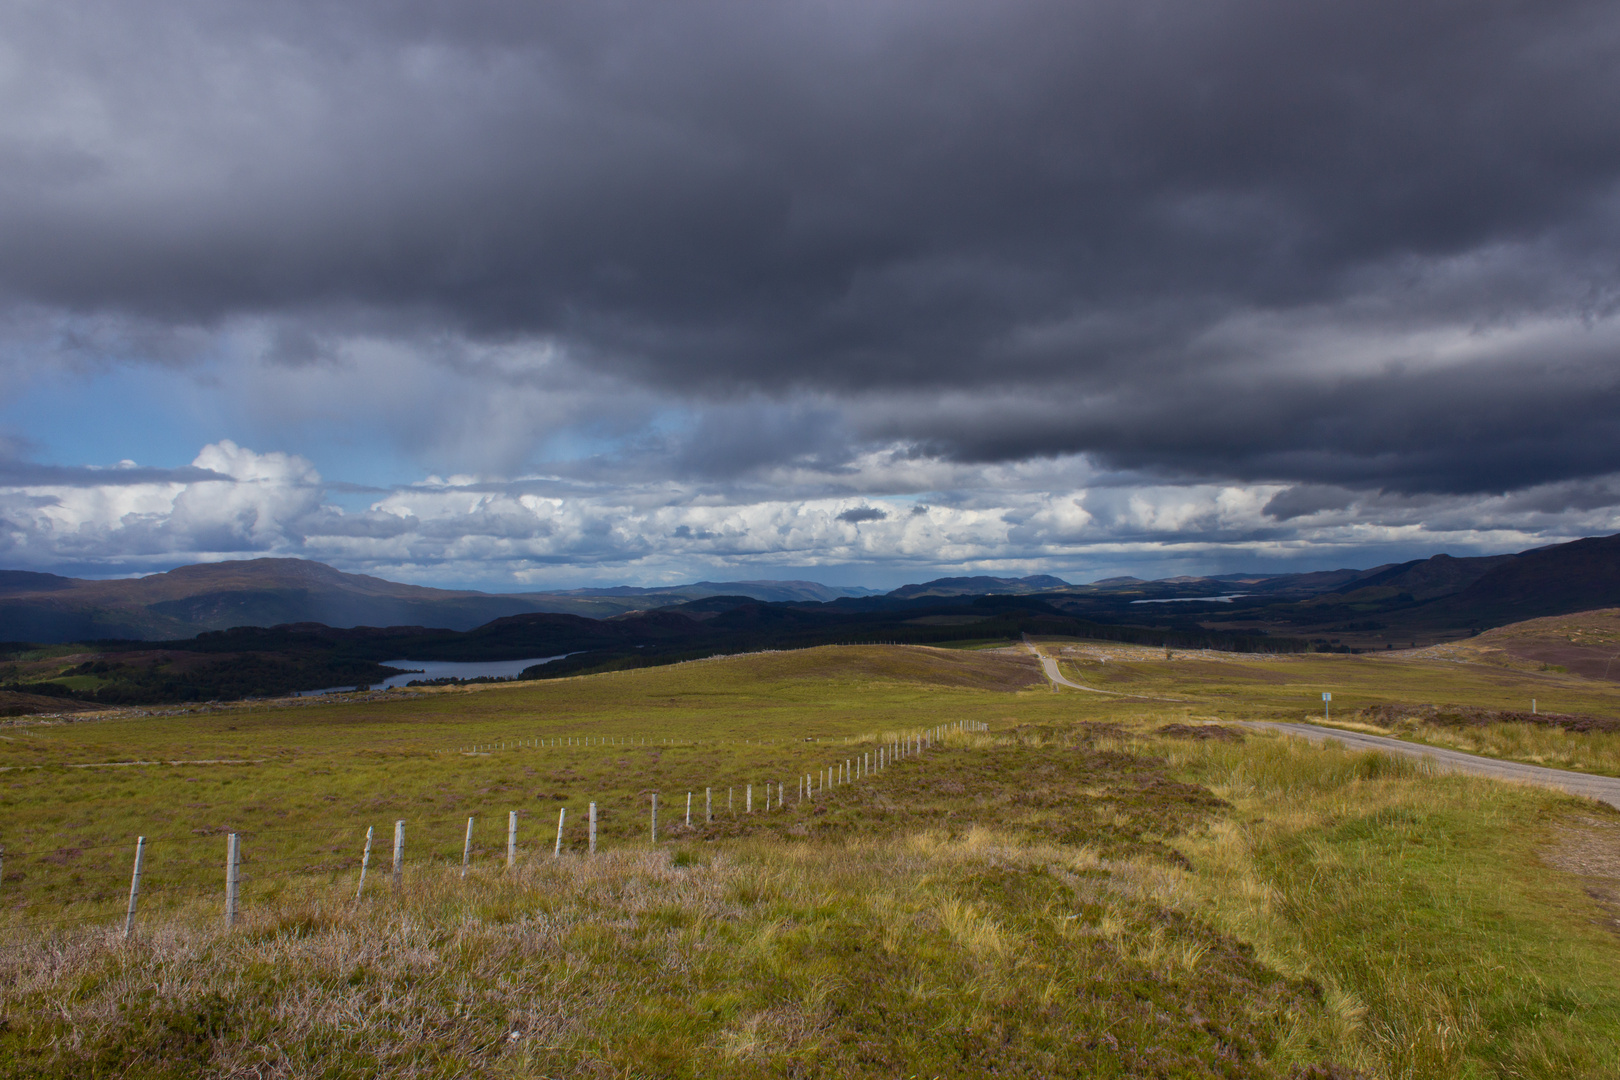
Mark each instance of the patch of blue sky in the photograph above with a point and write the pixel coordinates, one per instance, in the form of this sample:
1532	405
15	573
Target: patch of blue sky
162	418
144	415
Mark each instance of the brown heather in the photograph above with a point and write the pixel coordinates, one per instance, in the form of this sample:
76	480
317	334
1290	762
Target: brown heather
1077	891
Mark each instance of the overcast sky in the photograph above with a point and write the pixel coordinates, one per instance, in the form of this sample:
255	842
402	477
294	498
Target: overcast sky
515	294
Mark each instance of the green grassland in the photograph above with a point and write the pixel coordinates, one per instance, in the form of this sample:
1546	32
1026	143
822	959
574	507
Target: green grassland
1266	687
1258	687
1069	891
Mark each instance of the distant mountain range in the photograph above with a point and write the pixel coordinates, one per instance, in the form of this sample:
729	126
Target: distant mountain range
1391	605
981	586
268	592
633	598
1394	603
250	661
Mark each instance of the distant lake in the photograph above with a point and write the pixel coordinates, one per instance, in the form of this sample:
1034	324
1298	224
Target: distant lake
425	670
1190	599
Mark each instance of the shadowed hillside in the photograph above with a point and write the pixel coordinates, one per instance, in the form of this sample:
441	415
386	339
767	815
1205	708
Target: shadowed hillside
270	592
1578	576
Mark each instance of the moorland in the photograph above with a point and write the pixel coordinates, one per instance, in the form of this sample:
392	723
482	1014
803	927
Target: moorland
1056	884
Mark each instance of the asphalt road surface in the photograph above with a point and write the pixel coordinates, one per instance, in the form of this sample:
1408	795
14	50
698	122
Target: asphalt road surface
1049	665
1052	673
1603	788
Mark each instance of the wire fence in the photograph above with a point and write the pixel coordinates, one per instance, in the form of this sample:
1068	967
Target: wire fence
98	884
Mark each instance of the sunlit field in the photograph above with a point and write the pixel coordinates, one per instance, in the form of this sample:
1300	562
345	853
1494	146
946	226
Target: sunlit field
1263	687
1056	883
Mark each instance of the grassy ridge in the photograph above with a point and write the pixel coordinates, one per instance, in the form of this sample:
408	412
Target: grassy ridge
1290	688
1069	893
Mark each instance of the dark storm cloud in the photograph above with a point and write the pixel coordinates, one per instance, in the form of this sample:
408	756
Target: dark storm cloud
1234	239
22	473
863	513
733	437
1304	499
1489	426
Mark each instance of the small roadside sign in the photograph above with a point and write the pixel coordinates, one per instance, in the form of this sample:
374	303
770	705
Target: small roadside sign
1327	695
1327	704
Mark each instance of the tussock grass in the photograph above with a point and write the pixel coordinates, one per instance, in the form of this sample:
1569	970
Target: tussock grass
1583	751
1069	893
919	954
1420	904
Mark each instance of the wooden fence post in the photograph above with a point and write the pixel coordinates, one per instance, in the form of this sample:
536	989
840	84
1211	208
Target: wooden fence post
708	806
655	817
134	884
562	815
688	809
466	848
511	839
399	853
233	863
748	803
365	861
593	828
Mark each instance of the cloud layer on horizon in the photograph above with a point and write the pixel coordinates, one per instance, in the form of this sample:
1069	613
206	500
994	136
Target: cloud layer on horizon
545	532
1149	281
